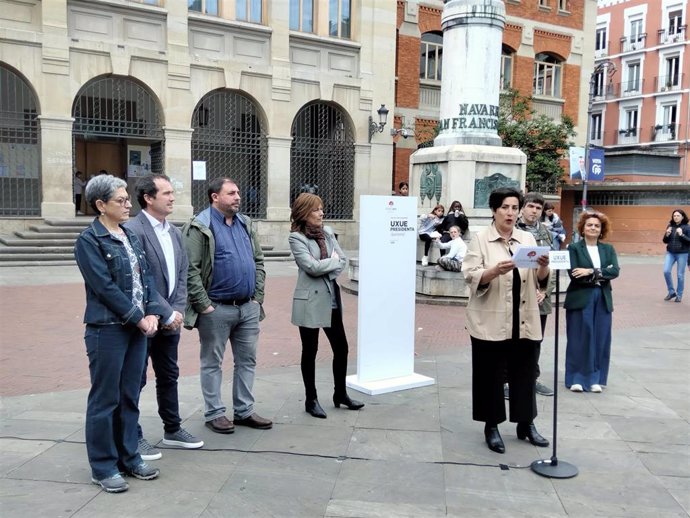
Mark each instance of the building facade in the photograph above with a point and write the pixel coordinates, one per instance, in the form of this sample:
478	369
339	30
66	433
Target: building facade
547	53
276	94
640	117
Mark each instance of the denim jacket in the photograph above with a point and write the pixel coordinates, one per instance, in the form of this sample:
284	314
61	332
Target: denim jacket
105	266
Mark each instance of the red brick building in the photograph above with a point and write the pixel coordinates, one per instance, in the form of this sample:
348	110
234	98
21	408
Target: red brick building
549	48
640	117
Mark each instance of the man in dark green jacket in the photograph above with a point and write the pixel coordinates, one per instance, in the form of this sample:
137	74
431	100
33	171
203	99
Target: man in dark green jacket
225	291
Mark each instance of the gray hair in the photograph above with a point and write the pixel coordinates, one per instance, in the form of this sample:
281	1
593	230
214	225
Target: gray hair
102	187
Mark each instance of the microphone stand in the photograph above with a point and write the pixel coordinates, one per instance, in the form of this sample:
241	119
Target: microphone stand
554	468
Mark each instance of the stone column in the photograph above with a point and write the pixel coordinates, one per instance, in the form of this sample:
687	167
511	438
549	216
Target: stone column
178	166
278	179
56	167
472	39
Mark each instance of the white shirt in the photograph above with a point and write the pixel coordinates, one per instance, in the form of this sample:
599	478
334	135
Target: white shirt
162	231
593	252
457	246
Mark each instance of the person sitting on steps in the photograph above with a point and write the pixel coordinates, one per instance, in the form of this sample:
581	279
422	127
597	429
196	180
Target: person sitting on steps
427	229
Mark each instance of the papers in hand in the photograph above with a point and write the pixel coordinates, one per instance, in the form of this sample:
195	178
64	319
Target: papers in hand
526	256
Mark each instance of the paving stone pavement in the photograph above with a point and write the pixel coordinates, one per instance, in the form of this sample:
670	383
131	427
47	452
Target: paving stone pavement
413	453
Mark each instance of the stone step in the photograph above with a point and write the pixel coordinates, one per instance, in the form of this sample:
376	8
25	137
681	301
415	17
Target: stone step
41	250
46	242
49	229
32	259
47	235
42	262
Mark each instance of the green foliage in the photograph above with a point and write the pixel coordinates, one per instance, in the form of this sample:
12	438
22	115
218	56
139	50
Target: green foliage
542	139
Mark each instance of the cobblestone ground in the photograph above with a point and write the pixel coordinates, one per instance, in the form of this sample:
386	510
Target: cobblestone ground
42	349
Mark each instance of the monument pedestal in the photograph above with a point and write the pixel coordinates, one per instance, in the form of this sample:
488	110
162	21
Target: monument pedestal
467	173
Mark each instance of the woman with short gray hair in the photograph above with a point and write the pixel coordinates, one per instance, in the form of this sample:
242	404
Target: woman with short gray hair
120	313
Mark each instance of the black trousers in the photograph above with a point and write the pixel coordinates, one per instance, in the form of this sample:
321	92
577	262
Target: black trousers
427	242
310	346
162	349
543	327
491	362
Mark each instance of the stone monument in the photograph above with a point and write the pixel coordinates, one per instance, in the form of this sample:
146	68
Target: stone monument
467	161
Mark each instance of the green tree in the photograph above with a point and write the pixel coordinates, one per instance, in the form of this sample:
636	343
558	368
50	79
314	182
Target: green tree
541	138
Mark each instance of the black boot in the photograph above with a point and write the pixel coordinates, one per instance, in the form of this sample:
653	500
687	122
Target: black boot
312	406
345	400
493	438
529	431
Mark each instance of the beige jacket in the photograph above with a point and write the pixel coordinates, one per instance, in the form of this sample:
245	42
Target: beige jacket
490	309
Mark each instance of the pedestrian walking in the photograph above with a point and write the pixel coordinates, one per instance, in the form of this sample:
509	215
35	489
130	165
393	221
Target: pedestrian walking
677	239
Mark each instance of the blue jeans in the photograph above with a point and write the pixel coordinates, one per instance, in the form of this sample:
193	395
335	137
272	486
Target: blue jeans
682	260
240	324
116	358
162	349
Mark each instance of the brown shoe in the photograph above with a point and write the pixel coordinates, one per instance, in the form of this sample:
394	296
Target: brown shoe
255	421
221	425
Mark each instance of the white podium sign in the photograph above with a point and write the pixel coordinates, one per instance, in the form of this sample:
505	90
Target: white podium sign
386	305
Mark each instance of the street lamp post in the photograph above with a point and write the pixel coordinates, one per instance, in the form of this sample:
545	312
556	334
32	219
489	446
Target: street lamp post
607	68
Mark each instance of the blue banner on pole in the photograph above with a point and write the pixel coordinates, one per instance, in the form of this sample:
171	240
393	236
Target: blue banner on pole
596	165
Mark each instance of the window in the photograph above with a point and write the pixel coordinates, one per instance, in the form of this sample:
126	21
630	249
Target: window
595	127
633	74
544	3
672	68
675	22
249	11
339	18
302	15
601	43
204	6
636	33
598	86
670	112
547	76
431	56
563	5
631	122
506	69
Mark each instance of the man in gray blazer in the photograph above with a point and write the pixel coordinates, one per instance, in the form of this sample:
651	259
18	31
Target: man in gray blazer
168	263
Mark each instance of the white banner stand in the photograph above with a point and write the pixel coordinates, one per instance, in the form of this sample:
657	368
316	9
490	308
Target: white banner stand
386	305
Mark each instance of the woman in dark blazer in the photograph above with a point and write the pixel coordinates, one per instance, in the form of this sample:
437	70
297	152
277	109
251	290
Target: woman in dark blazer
589	305
316	302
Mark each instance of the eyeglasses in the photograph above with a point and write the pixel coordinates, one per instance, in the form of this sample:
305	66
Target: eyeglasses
122	201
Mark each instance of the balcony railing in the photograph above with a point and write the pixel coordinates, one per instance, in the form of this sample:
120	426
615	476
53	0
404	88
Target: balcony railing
629	88
552	109
635	43
628	136
665	132
667	38
430	96
602	53
601	94
669	83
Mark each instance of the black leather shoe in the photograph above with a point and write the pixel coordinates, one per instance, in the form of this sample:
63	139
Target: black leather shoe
312	406
529	431
679	298
493	439
669	296
345	400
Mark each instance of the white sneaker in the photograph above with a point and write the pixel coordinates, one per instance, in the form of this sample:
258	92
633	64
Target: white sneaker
576	387
595	388
425	260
